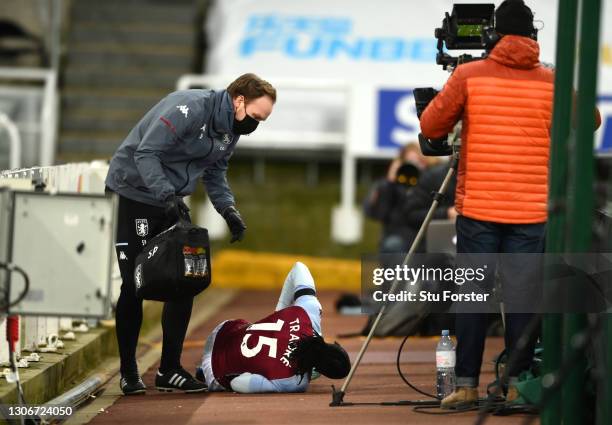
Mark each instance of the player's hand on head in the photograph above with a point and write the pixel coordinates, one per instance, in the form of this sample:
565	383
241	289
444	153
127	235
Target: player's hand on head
235	223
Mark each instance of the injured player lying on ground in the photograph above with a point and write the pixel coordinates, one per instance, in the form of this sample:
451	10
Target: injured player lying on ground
280	352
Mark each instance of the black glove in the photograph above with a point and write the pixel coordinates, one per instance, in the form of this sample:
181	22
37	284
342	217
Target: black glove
234	222
176	209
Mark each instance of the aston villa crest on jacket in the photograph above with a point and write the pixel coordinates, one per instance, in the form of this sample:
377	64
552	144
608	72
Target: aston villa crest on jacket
142	227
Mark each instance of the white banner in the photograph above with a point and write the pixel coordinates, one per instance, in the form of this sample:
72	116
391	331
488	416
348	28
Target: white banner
384	48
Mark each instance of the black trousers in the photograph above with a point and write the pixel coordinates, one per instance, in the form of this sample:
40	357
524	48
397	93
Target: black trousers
474	236
138	222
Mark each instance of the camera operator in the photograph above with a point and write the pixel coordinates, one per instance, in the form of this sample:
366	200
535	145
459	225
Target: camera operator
505	102
401	200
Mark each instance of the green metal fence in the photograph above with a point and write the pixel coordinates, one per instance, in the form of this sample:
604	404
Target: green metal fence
571	212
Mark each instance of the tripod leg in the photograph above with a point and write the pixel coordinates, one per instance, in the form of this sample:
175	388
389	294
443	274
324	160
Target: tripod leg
338	396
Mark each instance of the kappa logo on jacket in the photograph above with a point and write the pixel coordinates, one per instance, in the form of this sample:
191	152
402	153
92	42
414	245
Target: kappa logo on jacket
184	109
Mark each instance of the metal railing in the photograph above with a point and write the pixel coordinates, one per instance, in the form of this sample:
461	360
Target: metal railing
49	110
14	141
346	218
280	139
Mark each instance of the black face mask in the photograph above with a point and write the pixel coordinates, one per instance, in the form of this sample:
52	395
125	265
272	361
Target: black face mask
246	126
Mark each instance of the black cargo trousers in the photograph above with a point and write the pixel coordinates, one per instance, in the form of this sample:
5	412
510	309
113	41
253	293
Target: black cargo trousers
136	224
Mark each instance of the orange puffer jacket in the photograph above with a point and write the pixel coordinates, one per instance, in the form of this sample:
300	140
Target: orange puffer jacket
505	102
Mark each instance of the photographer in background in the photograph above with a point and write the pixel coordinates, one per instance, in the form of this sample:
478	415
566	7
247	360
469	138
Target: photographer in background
505	102
401	200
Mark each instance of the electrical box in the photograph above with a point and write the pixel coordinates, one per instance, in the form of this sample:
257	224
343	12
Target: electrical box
64	242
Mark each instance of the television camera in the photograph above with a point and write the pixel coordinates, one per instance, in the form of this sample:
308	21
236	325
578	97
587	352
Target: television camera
467	27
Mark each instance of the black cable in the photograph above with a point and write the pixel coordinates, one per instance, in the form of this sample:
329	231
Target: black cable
517	409
439	412
498	362
497	408
401	374
422	403
26	287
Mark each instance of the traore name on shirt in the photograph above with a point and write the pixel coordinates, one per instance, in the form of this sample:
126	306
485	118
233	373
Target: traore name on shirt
294	328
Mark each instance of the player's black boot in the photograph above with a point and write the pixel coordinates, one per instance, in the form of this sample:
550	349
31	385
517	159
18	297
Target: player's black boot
132	384
178	380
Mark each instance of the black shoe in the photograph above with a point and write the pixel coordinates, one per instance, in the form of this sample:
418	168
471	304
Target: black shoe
178	380
132	385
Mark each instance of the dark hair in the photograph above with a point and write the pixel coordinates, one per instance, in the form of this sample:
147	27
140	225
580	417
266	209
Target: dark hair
330	360
251	87
514	17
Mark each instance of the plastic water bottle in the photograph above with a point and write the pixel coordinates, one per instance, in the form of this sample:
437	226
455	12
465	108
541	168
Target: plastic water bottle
445	365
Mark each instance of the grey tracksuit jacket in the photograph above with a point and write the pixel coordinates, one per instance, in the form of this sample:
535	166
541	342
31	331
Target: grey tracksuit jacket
188	134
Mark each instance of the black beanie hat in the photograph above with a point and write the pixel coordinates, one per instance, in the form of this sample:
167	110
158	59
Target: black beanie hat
514	17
